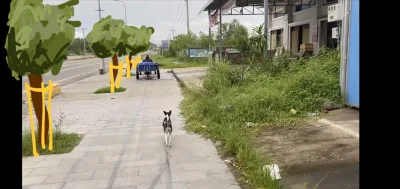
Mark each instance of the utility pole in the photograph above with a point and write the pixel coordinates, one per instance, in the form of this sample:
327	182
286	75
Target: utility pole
220	34
173	33
102	65
84	42
266	19
187	16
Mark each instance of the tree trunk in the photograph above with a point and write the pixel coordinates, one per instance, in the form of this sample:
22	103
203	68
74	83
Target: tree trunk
130	58
37	101
115	63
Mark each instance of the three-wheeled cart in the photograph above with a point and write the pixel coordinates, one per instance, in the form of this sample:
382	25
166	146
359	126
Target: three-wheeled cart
147	68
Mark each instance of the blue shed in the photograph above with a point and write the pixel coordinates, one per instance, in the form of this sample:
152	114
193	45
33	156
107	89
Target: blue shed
350	67
353	72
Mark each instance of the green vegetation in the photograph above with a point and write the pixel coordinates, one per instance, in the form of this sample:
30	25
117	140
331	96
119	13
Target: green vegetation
62	142
107	90
261	93
168	62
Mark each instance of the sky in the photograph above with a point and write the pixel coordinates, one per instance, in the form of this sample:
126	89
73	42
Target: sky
162	15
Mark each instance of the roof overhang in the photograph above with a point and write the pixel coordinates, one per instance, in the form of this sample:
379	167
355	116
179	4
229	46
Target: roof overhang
217	4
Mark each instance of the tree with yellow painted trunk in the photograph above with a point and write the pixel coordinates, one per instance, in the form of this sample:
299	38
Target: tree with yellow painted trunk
110	38
37	41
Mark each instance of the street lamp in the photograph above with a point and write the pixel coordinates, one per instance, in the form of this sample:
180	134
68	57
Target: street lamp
126	21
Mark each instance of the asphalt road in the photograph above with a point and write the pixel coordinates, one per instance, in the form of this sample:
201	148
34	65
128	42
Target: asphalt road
72	71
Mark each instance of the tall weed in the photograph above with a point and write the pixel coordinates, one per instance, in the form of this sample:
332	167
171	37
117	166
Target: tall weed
265	96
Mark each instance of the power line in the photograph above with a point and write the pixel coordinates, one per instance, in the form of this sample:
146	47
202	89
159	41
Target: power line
177	12
176	17
179	23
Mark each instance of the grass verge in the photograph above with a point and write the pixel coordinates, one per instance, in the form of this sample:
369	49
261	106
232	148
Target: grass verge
107	90
169	62
263	94
62	143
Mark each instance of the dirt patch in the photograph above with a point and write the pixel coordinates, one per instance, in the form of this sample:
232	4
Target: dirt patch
311	153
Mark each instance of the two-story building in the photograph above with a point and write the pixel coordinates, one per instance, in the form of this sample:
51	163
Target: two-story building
291	26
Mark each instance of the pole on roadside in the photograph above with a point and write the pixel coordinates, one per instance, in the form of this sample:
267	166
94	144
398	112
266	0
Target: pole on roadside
84	42
102	65
209	38
266	19
220	34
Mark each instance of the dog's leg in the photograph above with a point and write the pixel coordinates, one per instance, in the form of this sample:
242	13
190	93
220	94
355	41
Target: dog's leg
166	139
170	138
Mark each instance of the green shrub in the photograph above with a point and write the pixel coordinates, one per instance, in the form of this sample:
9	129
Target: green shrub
264	96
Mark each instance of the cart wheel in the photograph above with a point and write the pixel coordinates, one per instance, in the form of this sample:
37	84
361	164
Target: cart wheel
158	73
140	73
137	75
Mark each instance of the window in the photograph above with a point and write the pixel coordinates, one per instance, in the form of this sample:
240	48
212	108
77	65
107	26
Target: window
299	8
327	2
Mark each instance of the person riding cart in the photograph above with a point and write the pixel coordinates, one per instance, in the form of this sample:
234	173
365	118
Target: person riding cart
147	59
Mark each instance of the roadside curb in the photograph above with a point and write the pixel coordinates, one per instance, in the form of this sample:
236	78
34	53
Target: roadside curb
181	83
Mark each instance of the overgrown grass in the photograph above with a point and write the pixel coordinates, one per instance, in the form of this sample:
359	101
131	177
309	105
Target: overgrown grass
263	94
107	90
165	62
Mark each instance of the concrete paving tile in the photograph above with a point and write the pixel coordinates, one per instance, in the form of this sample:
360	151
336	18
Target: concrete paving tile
32	180
89	184
58	178
44	186
135	181
25	172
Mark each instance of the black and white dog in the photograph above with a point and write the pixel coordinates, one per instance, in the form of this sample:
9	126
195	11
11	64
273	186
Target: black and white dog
167	125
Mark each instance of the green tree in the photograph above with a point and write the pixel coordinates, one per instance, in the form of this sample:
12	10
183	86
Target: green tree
257	40
37	41
110	38
105	39
182	42
135	40
77	47
232	33
203	41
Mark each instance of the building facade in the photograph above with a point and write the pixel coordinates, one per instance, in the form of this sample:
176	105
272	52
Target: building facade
291	26
294	25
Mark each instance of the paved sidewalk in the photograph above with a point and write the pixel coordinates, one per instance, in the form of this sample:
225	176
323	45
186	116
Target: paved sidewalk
123	144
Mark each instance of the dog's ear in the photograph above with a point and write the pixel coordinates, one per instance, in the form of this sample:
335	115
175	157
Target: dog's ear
165	113
170	112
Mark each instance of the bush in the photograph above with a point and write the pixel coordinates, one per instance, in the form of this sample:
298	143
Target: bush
264	96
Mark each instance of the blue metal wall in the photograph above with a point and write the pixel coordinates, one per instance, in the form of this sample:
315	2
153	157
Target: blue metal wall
353	70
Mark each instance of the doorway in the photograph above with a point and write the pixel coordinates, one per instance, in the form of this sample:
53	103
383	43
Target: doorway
299	35
276	39
326	35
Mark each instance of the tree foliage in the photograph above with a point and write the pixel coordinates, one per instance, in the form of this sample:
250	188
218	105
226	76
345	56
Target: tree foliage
77	47
110	36
135	39
105	37
232	33
39	36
